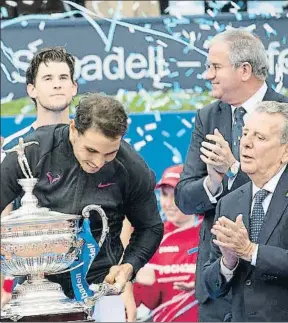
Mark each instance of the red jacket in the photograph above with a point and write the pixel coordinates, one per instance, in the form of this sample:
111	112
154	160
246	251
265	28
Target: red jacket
174	261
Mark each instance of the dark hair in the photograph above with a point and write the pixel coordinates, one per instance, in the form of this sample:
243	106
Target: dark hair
45	55
103	113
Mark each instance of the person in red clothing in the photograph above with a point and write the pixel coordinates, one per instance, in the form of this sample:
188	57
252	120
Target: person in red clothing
166	284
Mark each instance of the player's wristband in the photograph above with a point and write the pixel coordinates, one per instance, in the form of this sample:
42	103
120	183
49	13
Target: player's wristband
8	285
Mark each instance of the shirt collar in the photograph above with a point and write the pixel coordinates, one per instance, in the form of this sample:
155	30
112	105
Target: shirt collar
67	146
249	105
270	186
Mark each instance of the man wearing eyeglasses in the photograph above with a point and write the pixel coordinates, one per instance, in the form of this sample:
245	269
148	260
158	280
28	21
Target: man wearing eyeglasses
237	69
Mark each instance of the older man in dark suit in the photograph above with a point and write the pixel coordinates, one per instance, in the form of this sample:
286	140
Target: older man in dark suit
237	68
249	252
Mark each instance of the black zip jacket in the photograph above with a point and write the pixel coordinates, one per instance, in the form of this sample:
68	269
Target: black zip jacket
64	187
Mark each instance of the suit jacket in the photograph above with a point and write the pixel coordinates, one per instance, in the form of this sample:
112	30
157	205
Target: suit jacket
259	293
190	195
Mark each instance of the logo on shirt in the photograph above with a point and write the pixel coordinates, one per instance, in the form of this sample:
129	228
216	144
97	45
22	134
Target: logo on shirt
176	269
102	185
53	179
166	249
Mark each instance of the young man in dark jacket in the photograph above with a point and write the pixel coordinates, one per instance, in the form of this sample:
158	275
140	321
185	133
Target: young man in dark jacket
88	162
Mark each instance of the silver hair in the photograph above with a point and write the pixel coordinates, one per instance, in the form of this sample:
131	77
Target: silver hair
272	107
245	47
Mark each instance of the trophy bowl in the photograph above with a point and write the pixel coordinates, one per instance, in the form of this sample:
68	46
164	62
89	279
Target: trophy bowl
36	241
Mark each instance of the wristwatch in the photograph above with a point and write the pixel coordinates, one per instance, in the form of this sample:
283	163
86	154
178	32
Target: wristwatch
233	170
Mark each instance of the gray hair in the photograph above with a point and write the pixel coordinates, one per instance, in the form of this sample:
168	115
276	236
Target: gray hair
272	107
245	47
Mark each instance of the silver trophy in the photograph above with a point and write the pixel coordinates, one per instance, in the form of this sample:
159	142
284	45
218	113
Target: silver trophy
37	241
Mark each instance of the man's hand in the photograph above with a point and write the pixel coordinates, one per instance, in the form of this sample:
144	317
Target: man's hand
129	302
119	274
230	258
184	286
214	179
217	155
234	237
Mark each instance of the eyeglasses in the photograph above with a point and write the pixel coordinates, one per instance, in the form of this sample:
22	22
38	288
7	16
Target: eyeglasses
212	67
215	67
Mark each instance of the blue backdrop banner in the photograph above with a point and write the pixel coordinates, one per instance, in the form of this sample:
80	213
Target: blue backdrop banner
153	53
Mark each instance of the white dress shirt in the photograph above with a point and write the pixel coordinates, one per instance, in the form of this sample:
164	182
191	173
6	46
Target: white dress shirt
249	106
270	186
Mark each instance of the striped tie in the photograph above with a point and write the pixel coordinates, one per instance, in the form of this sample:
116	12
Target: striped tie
237	131
257	216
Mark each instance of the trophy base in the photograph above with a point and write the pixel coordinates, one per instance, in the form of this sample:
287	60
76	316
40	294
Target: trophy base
39	300
68	317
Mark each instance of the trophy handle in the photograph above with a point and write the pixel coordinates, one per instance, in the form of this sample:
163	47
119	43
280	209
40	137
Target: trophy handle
100	211
105	230
102	289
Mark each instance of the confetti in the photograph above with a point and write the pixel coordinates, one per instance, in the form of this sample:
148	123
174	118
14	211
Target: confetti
180	133
186	34
19	118
161	43
149	38
204	27
206	44
157	116
42	25
269	29
148	138
140	131
211	13
216	26
172	60
177	158
186	123
198	89
27	108
251	27
8	98
140	144
165	134
189	72
183	35
160	103
192	36
173	74
235	5
150	126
